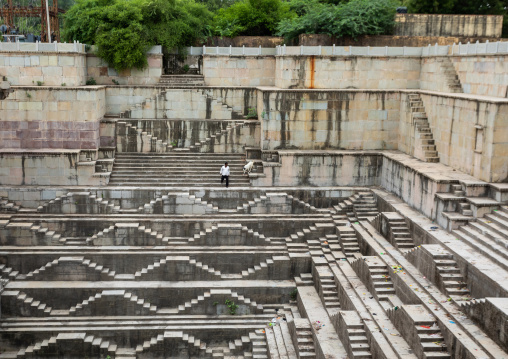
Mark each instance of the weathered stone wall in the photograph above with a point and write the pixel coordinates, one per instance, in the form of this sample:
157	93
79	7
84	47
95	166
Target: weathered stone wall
433	76
388	40
239	70
315	168
247	41
51	118
52	68
104	75
311	120
120	99
470	134
196	103
406	128
448	25
361	72
483	74
47	167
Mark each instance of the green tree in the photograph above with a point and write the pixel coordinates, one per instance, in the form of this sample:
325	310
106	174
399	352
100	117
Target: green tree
214	5
354	18
124	30
119	36
251	17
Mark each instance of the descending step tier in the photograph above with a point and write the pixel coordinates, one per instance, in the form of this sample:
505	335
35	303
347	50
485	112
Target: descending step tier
178	169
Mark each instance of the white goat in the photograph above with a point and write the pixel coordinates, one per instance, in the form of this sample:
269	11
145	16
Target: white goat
248	167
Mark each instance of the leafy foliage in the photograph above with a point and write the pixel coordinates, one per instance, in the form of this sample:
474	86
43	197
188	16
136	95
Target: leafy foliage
231	306
124	30
251	17
214	5
354	18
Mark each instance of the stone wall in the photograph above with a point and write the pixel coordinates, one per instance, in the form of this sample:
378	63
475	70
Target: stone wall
104	75
433	76
239	70
51	68
448	25
311	120
195	103
362	72
120	99
247	41
470	134
47	167
52	118
330	168
388	40
483	74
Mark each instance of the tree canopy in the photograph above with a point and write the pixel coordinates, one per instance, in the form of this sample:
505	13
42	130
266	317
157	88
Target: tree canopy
124	30
354	18
251	17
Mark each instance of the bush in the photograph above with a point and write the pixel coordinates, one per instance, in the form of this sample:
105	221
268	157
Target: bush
91	82
354	18
251	17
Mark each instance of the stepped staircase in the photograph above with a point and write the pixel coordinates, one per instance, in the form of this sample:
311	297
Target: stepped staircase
488	235
447	275
398	233
421	329
452	78
132	138
348	241
182	81
304	343
425	147
8	207
360	206
178	170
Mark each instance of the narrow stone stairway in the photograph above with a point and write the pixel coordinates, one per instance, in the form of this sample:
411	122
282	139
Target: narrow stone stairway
176	170
452	78
182	80
425	148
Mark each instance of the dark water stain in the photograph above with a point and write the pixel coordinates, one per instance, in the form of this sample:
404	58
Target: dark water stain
312	71
208	115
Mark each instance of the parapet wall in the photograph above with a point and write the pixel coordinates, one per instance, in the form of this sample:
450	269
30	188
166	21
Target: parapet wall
358	72
448	25
50	68
29	66
99	70
239	70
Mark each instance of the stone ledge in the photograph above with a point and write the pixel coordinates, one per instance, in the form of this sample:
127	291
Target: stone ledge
82	88
482	201
463	96
501	187
41	152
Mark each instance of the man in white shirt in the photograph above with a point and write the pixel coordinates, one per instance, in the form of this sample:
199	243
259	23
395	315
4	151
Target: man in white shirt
224	171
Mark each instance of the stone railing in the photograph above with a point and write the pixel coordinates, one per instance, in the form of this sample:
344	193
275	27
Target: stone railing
478	48
386	51
41	47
